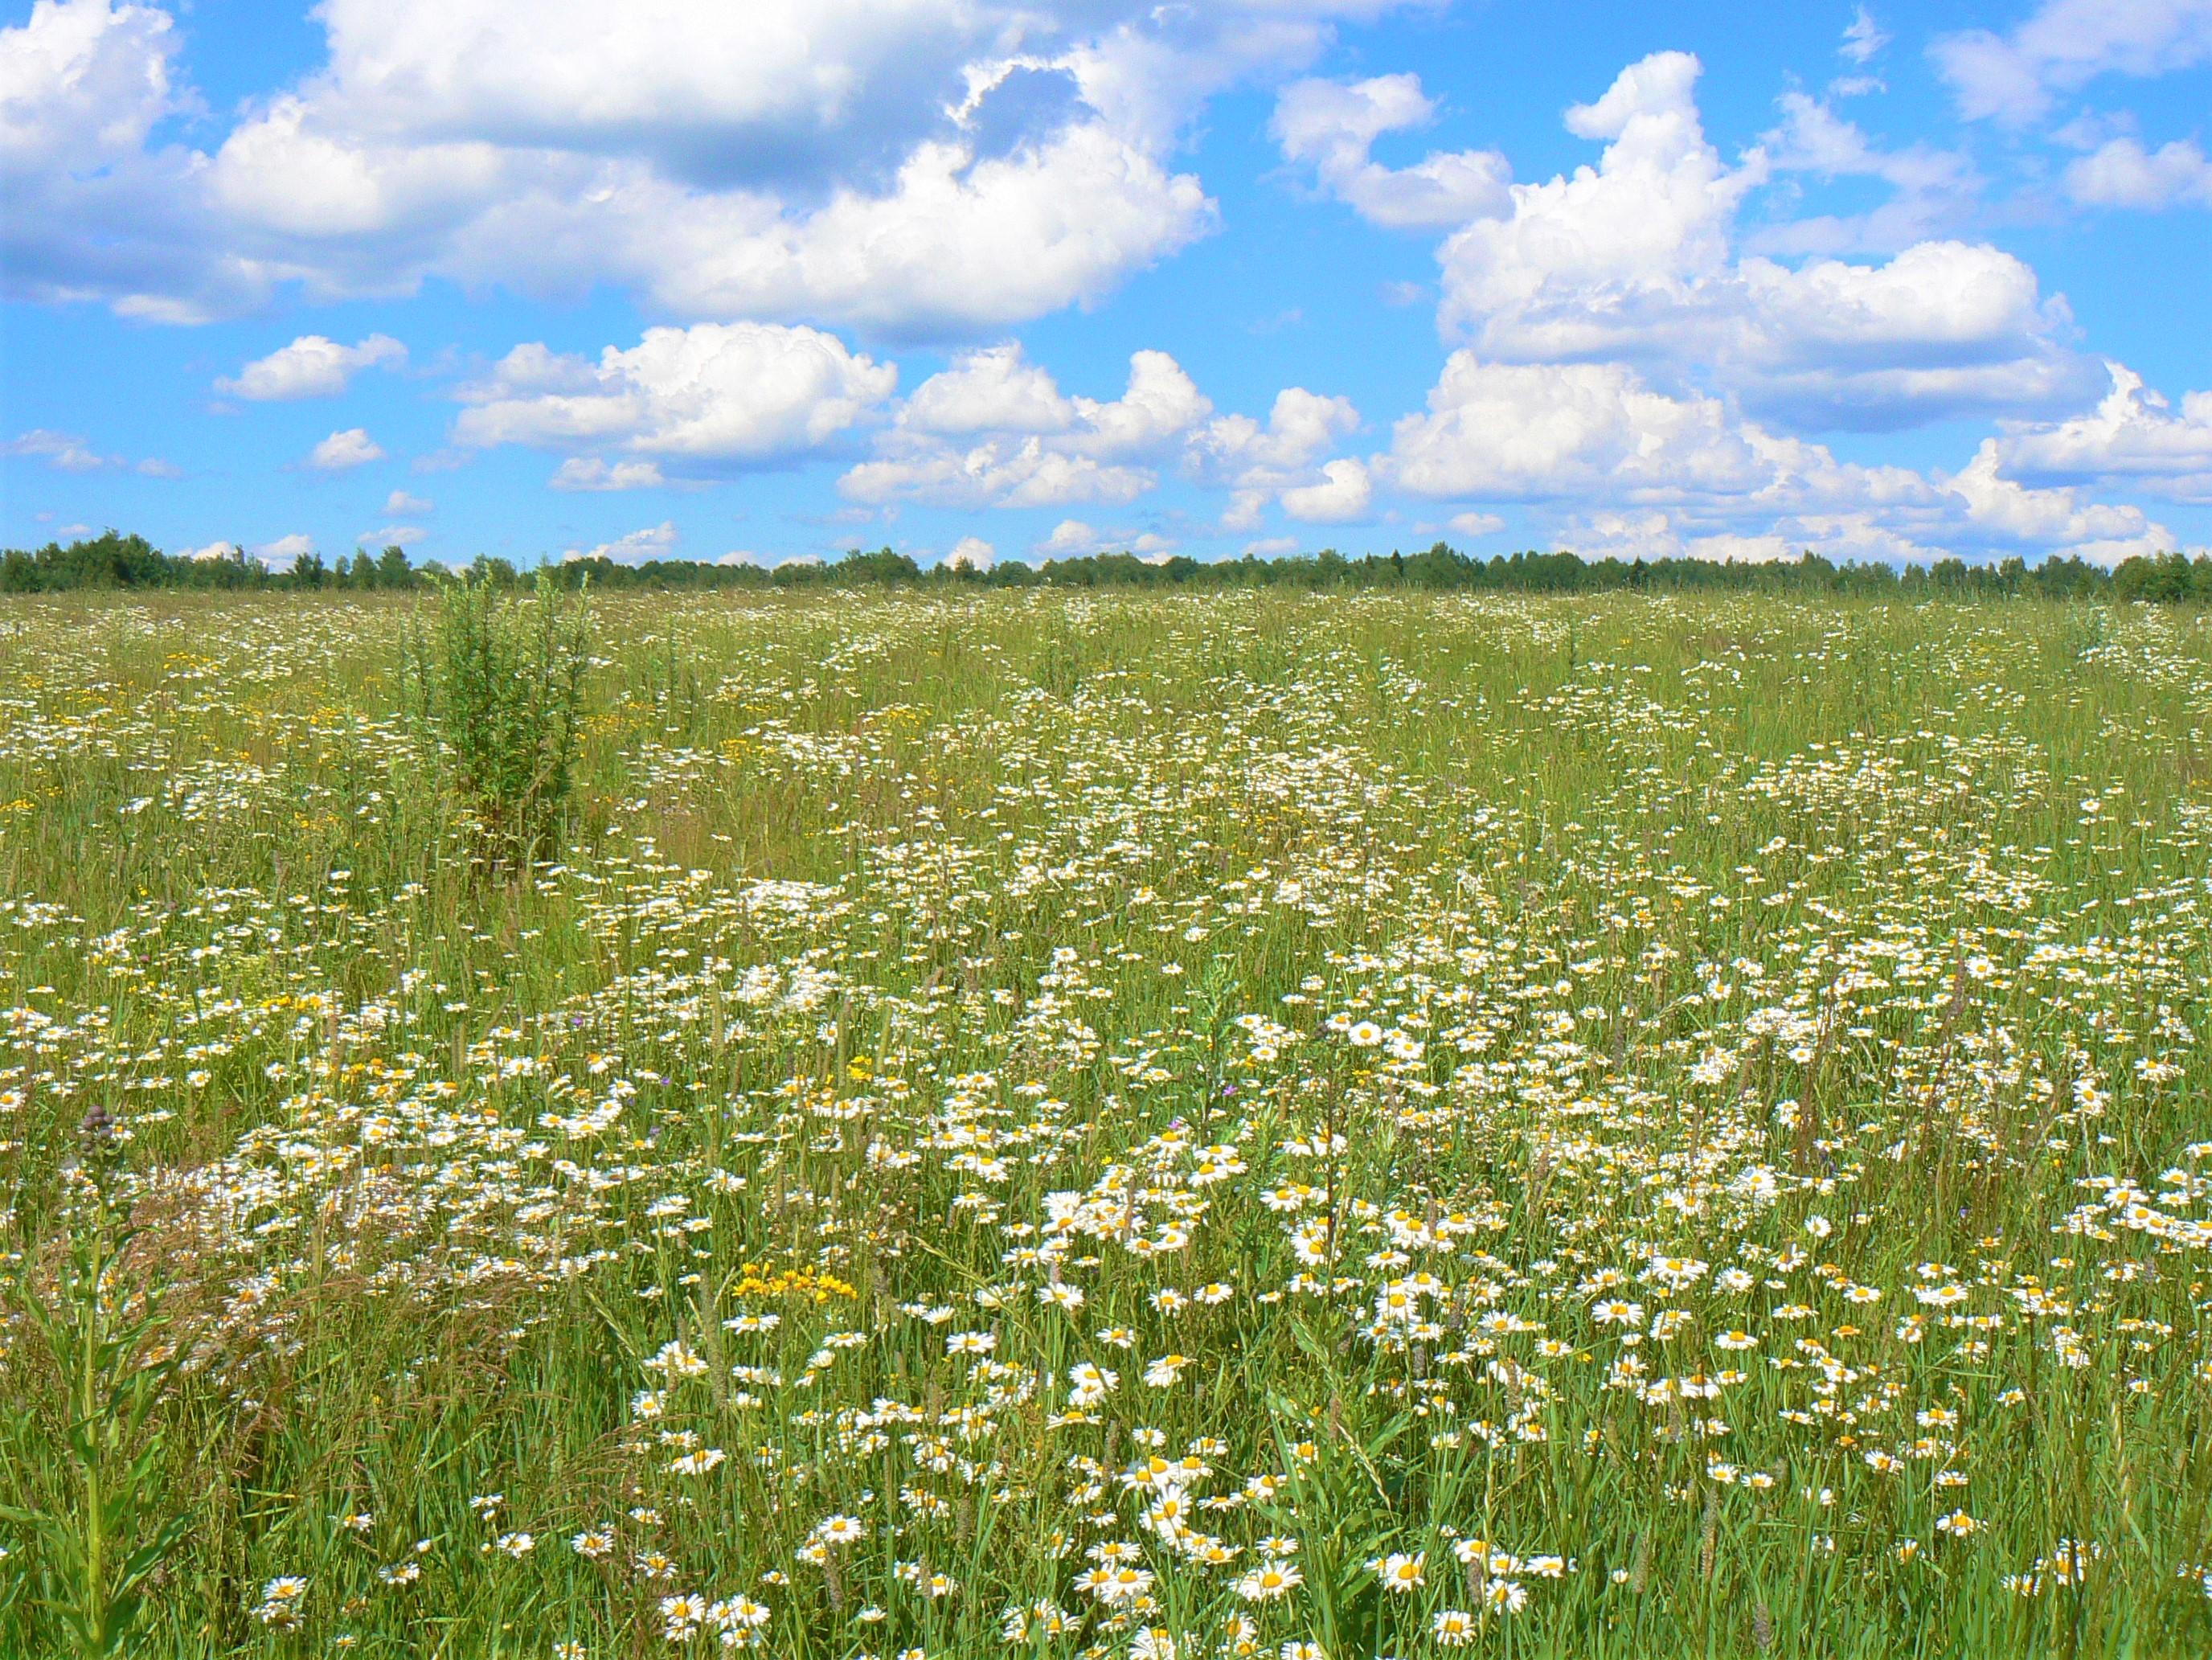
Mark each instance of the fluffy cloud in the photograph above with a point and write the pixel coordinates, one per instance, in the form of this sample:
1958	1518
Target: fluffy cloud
993	389
715	393
1943	329
1654	536
1070	538
1864	39
84	80
2122	174
658	74
1632	259
2066	44
970	553
1333	127
64	452
1930	188
311	366
2131	436
285	552
96	207
580	472
951	243
995	430
639	546
1586	263
2050	518
353	447
1002	473
914	166
1529	431
286	179
1300	426
1343	493
1277	460
1662	475
400	501
1161	403
1040	446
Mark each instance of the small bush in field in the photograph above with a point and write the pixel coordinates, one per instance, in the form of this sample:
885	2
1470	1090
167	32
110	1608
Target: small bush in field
498	687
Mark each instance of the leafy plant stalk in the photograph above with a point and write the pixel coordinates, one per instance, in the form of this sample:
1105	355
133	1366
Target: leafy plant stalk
497	690
86	1516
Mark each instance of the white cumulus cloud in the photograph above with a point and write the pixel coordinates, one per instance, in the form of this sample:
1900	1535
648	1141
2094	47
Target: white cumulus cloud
1634	260
1039	447
580	472
995	389
727	392
2122	174
1530	431
1005	473
62	451
353	447
638	547
2052	518
84	80
1344	493
1652	474
1070	538
905	166
995	429
311	366
1299	427
285	552
2063	45
1333	127
96	206
2132	437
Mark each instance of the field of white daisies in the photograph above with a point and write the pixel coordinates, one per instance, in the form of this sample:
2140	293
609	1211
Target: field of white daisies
1316	1128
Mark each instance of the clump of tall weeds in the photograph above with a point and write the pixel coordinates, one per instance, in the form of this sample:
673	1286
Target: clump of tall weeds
84	1455
497	685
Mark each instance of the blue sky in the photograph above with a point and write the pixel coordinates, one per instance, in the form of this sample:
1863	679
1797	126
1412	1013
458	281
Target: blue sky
775	280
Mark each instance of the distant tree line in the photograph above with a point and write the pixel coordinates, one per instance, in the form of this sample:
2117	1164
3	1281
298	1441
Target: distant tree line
115	560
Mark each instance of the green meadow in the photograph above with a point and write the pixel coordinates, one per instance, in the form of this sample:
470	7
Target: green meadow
1036	1124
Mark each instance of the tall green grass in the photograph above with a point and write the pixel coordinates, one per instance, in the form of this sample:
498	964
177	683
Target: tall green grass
1836	945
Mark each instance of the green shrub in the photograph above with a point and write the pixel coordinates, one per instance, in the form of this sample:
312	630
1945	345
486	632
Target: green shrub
498	688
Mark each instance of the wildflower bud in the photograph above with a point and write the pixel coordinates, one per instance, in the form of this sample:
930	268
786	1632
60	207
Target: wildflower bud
96	1139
